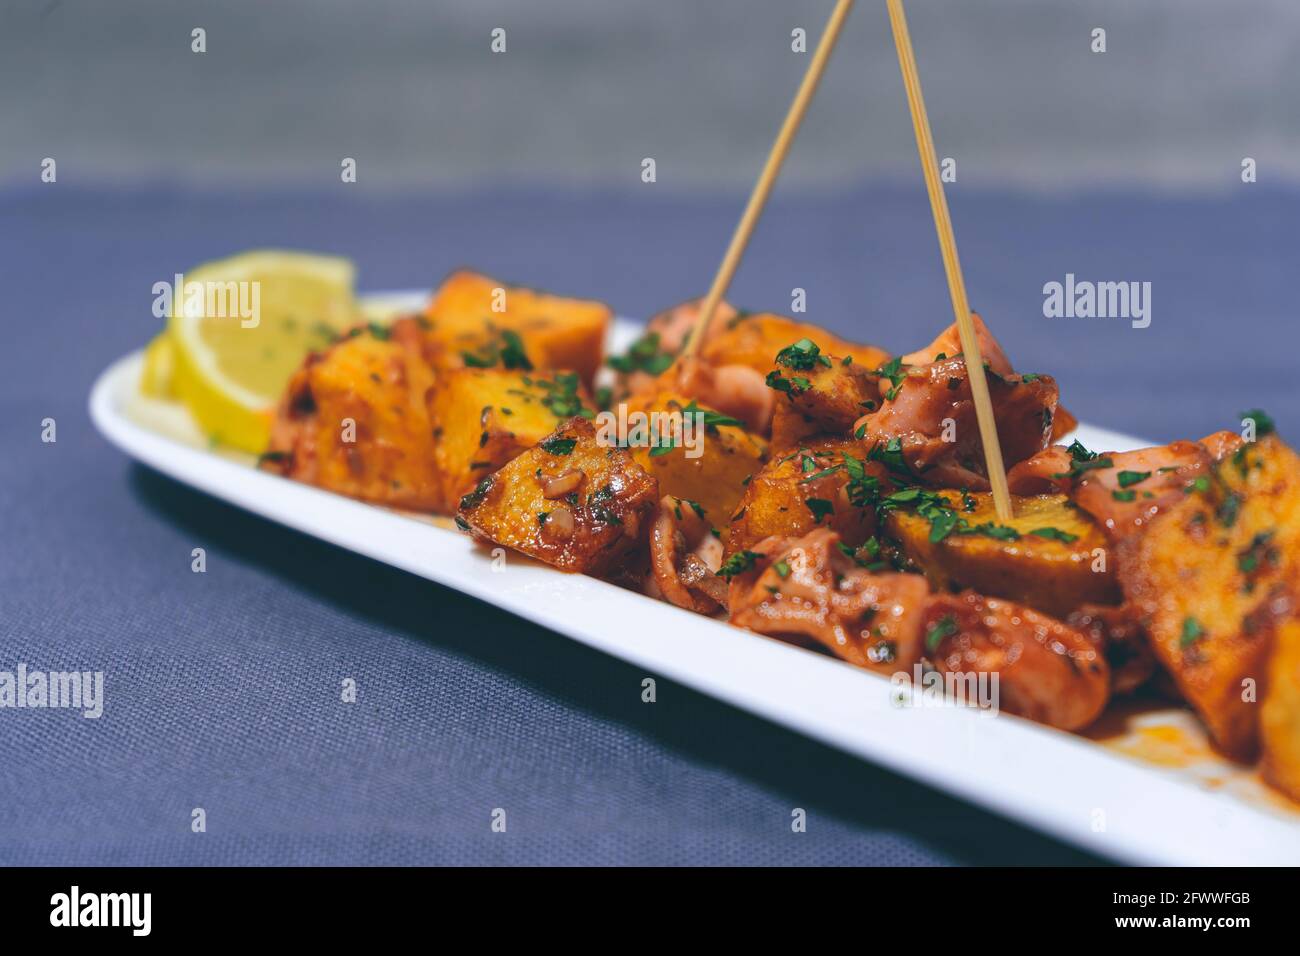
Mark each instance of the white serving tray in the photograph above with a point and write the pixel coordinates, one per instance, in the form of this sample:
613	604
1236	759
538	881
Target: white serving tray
1144	789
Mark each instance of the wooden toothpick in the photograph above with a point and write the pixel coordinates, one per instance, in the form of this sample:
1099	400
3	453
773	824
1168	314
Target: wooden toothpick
952	265
766	179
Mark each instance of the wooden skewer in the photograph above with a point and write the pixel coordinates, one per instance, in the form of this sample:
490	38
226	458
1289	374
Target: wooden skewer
979	385
766	179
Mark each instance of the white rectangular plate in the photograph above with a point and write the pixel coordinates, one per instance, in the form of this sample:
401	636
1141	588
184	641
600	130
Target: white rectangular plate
1145	789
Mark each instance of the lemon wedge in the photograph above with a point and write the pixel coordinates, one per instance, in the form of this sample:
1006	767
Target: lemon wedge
157	378
238	330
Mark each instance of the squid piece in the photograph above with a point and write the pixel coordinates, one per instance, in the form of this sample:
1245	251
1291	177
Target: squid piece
673	326
685	556
1047	671
928	419
948	345
1123	491
735	390
810	591
1116	631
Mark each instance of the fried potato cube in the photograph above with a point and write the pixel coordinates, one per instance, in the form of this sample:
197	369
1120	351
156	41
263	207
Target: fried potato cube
472	315
484	417
708	465
828	392
1212	580
571	501
354	420
1279	715
1050	556
753	339
823	484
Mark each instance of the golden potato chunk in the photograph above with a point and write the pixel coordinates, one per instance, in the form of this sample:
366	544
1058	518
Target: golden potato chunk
354	420
570	501
707	465
471	318
824	484
1279	715
829	393
1212	581
753	339
1050	557
484	417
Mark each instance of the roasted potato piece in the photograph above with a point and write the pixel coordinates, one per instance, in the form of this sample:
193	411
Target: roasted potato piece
570	501
809	592
1212	581
705	465
470	312
753	339
354	420
482	418
828	392
1047	671
1044	558
1279	715
826	483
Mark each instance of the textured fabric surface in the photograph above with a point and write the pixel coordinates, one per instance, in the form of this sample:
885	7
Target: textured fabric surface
222	688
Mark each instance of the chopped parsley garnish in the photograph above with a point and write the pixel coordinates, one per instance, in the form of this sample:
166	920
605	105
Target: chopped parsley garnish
1127	478
563	399
820	508
1264	424
1192	632
1124	495
1080	453
1229	509
712	419
643	355
1056	534
791	386
1081	465
945	627
558	446
475	497
890	454
506	350
380	332
782	568
823	473
738	563
802	356
892	370
598	503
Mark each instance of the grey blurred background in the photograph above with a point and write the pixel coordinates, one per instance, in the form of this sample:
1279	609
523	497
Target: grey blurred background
587	88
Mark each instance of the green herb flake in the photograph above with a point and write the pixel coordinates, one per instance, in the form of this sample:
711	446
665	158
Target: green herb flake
558	446
1127	478
738	563
943	628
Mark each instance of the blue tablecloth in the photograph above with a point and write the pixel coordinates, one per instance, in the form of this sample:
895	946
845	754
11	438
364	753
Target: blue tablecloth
222	689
